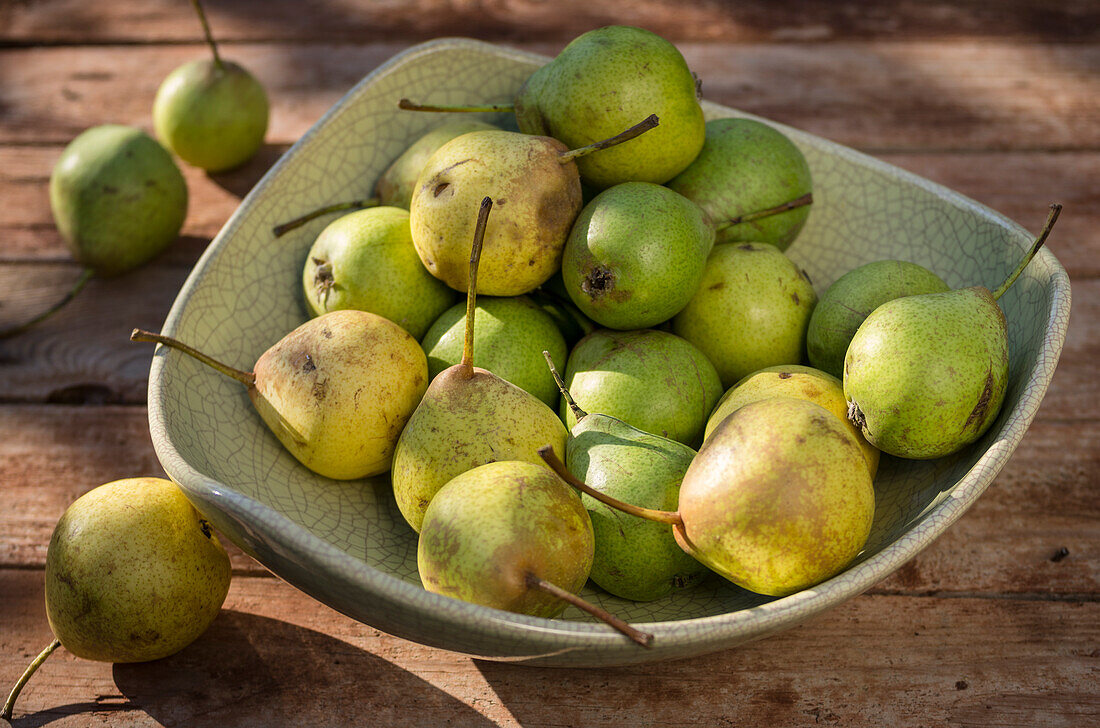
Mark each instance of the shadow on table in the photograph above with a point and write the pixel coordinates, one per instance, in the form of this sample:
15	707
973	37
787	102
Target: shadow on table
256	671
239	181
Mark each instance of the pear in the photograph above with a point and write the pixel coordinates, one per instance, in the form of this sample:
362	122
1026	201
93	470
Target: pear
534	181
751	310
791	380
336	391
652	380
600	83
552	298
365	260
635	558
211	112
133	573
395	186
635	255
118	201
777	500
926	375
746	165
510	335
467	417
510	535
852	297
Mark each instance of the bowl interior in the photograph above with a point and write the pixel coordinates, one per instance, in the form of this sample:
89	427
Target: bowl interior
245	294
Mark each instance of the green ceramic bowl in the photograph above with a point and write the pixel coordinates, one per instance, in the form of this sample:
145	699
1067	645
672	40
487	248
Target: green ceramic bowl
345	543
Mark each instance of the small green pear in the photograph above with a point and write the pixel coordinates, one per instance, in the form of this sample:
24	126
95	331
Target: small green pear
510	335
365	260
133	573
652	380
635	558
926	375
635	255
336	391
791	380
395	186
751	310
853	296
744	166
467	417
211	112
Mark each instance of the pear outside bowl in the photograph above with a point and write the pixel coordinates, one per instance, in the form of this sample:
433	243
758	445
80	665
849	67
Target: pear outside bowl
346	544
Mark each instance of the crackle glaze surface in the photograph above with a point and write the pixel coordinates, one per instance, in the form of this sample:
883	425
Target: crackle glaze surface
345	542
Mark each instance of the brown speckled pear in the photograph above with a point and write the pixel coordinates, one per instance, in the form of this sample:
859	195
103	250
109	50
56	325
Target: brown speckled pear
468	417
336	391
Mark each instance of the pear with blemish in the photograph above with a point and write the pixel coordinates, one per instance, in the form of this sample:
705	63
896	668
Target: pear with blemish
336	391
468	417
926	375
395	186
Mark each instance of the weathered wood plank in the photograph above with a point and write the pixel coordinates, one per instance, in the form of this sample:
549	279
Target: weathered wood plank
69	21
873	95
1018	184
1044	500
274	657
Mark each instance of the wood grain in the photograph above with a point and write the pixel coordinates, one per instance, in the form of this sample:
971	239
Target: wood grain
275	657
873	95
68	21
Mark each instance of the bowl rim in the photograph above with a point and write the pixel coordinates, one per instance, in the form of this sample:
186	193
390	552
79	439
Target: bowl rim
714	631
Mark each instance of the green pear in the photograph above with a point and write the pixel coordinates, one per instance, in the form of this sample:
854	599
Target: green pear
552	298
467	417
511	535
365	260
744	166
777	500
336	391
799	382
926	375
636	254
212	113
133	573
510	335
852	297
395	186
750	312
534	180
635	558
526	106
652	380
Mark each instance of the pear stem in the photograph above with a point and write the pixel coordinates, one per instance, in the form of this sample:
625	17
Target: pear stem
9	706
805	199
471	287
534	582
635	131
85	276
671	517
1055	210
286	227
206	31
248	379
577	411
413	106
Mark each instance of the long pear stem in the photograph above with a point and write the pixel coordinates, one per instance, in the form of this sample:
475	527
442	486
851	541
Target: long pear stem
635	131
471	287
9	706
85	276
671	517
413	106
1055	210
577	411
206	31
643	638
286	227
805	199
248	379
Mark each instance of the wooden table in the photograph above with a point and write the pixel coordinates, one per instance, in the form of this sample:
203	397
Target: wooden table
998	623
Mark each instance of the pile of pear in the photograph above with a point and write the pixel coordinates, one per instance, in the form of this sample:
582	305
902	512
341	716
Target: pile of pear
620	239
